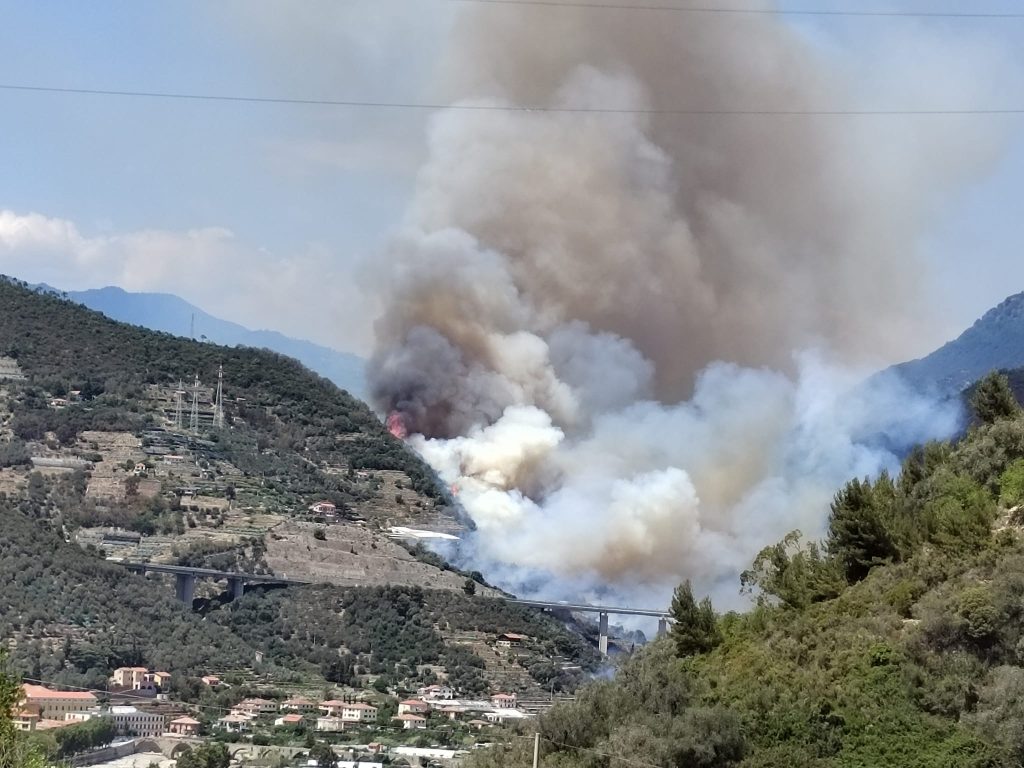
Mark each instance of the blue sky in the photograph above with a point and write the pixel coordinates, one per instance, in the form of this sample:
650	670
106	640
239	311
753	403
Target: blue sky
263	213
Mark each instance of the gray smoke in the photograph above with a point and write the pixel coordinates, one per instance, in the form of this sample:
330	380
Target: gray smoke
566	283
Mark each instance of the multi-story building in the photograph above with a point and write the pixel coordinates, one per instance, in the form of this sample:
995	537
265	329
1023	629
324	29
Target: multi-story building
55	705
504	700
131	721
130	677
358	712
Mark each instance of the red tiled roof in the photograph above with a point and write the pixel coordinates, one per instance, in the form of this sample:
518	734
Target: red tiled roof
42	692
292	718
415	703
333	703
185	721
407	716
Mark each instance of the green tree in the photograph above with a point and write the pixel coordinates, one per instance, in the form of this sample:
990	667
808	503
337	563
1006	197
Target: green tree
993	399
469	587
696	628
323	754
15	751
212	755
1011	485
794	573
858	534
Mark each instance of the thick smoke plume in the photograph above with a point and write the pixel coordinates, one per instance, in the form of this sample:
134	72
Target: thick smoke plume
566	284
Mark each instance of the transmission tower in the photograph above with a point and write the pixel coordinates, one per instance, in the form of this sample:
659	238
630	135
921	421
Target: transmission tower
218	403
193	419
179	397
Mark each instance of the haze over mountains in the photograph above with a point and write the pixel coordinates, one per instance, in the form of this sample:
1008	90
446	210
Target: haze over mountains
995	341
171	314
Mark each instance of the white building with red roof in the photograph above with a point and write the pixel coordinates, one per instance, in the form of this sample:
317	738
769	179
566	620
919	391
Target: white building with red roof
413	707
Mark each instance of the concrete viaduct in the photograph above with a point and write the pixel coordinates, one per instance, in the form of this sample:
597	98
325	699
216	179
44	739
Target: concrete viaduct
186	576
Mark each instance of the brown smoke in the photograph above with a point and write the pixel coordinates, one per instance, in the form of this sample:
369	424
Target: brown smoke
561	272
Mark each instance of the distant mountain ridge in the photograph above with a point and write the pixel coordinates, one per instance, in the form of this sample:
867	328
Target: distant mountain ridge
994	342
171	314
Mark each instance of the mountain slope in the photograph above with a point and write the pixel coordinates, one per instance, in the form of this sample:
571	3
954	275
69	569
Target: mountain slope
994	342
170	314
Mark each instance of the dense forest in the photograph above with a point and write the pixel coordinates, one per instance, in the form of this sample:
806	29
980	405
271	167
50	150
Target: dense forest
896	641
388	631
285	408
74	617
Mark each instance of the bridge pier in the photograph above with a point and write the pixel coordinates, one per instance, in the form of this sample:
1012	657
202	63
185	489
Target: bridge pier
662	626
602	637
237	588
185	588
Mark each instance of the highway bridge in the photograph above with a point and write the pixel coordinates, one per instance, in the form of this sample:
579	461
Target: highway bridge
187	575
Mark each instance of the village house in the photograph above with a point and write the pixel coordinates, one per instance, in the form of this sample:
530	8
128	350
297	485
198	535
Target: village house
27	718
413	707
161	679
325	509
358	712
288	721
331	708
510	640
299	704
410	721
234	723
436	692
55	705
452	713
330	724
210	680
478	724
504	700
184	726
253	708
129	677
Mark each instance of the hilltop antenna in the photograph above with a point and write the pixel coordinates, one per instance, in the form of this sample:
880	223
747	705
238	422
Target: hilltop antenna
179	396
193	418
192	327
218	404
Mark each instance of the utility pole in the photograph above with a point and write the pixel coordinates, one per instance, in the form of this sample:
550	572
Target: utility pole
193	418
536	749
218	404
179	394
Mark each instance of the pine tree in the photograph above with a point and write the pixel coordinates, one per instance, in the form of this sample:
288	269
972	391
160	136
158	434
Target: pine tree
695	629
993	399
859	536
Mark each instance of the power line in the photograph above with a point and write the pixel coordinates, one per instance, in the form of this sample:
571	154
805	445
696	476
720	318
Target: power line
751	11
463	107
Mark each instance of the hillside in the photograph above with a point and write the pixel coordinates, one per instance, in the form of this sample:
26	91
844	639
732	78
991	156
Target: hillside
94	465
94	402
896	641
171	314
994	342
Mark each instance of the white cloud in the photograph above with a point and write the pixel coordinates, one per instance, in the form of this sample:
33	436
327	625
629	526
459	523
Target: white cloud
305	293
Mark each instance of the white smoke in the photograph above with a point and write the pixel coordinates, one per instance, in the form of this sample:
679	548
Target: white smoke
566	285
